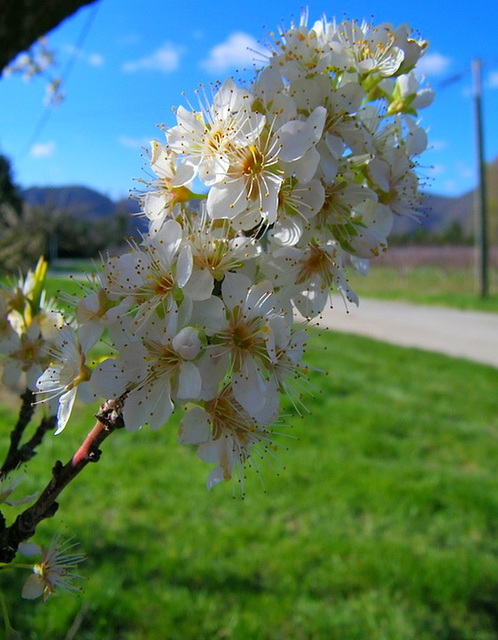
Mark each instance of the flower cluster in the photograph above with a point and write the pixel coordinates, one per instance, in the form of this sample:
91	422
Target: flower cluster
29	326
301	173
39	346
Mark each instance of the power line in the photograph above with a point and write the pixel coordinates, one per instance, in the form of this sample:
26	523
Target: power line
456	77
452	79
45	116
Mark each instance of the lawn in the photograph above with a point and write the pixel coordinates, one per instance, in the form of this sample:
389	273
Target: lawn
427	284
382	526
444	275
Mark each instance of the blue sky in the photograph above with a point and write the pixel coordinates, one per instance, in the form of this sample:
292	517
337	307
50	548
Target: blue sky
139	56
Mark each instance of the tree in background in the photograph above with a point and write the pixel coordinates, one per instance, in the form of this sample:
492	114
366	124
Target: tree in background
18	246
23	22
18	249
9	191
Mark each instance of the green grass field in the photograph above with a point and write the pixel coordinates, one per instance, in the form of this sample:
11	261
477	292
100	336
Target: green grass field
427	284
383	525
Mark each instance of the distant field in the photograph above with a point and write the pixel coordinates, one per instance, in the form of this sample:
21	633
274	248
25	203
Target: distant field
381	527
429	275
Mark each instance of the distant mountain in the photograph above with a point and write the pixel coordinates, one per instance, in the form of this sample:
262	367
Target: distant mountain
79	201
126	205
441	212
438	214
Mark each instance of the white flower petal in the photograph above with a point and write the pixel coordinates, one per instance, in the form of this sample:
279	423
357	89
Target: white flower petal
213	368
200	285
195	427
234	289
189	382
215	477
227	199
184	265
249	388
33	587
209	314
66	402
298	137
29	549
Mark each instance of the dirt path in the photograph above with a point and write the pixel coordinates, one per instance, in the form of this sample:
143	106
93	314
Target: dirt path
466	334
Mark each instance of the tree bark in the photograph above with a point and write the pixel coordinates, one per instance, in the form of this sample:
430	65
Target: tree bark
22	22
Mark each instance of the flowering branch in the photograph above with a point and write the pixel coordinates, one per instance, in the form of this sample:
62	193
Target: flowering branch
108	420
305	169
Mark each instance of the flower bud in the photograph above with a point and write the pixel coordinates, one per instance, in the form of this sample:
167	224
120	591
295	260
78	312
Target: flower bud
187	343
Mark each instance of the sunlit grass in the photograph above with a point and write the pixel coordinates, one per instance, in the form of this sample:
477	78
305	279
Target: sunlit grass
382	525
426	284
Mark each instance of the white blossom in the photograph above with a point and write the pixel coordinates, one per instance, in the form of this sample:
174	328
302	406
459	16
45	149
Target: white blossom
227	435
55	571
202	139
67	371
304	169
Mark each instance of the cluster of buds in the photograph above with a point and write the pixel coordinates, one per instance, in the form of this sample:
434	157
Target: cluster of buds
301	173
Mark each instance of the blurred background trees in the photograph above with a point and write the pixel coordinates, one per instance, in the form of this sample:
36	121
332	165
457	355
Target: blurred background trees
57	227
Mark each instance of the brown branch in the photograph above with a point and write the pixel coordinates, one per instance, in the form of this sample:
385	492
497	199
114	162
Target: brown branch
108	420
16	454
25	415
27	451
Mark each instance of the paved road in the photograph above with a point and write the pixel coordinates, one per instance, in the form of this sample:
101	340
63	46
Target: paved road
466	334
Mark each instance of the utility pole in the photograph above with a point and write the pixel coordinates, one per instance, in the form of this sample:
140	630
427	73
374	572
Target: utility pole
481	222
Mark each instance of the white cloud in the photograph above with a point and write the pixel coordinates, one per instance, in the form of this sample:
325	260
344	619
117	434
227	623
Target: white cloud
165	59
433	64
493	80
42	150
238	49
95	59
133	143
